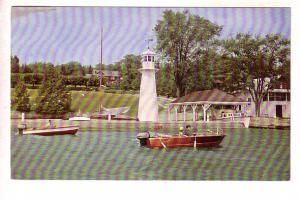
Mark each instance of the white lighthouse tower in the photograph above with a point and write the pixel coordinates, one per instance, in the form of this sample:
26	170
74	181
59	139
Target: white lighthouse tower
148	107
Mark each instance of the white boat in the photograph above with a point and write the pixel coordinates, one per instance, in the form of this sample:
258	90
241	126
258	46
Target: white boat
80	118
67	130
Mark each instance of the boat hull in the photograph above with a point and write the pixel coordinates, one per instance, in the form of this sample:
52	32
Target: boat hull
71	130
182	141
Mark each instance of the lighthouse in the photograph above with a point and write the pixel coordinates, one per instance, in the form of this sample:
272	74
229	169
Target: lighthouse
148	107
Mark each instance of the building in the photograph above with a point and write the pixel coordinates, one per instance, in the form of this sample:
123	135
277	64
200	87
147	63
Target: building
111	76
210	104
275	104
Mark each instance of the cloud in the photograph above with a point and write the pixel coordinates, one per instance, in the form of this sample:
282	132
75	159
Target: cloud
23	11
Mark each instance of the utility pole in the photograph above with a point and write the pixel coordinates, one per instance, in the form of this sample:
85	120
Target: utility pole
100	67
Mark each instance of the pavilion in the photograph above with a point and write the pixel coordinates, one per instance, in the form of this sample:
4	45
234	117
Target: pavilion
203	99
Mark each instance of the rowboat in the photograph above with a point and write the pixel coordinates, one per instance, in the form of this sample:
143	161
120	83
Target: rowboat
71	130
171	141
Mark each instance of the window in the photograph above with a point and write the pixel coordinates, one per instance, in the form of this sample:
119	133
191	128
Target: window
152	58
277	96
149	58
249	99
265	97
281	96
288	96
145	58
271	96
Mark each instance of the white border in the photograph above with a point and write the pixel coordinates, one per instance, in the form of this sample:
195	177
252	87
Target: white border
16	189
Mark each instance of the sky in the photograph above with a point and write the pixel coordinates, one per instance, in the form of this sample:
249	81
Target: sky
63	34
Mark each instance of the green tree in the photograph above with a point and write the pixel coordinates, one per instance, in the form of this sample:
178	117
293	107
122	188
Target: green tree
20	100
33	79
257	64
181	37
15	78
165	81
54	98
93	81
90	70
129	72
26	69
63	70
15	65
201	71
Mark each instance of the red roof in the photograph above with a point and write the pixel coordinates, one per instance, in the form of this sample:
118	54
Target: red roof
209	96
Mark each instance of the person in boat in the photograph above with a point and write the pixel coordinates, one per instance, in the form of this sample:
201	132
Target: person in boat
188	130
180	131
50	124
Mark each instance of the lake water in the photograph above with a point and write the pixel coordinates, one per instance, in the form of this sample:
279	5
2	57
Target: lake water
245	154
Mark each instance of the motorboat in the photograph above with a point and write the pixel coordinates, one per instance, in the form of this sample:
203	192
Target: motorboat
63	130
205	139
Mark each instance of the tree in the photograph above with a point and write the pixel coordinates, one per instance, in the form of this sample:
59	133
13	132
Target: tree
15	66
200	72
54	98
165	81
257	64
93	81
63	70
90	70
33	79
129	72
15	78
26	69
20	100
181	37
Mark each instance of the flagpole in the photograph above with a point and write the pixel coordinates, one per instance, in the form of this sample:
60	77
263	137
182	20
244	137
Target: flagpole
100	67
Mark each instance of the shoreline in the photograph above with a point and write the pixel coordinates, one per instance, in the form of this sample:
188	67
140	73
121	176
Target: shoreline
130	125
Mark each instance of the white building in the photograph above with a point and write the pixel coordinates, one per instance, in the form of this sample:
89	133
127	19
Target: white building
275	104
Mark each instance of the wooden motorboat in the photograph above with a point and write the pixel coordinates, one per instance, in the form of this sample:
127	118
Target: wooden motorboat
211	139
71	130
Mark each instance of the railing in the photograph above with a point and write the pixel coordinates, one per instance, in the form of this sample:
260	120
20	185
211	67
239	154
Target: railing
231	115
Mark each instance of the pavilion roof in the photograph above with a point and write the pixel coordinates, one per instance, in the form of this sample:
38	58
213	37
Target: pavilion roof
213	96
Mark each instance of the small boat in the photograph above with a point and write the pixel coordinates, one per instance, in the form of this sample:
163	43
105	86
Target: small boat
66	130
197	140
80	118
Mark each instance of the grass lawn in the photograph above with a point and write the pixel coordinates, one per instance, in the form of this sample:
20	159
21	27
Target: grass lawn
90	101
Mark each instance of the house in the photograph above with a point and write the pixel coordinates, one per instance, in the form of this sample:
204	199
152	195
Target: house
111	76
275	104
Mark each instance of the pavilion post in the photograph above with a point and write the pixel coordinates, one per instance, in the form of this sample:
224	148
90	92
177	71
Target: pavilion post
184	112
176	113
205	107
169	113
194	107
